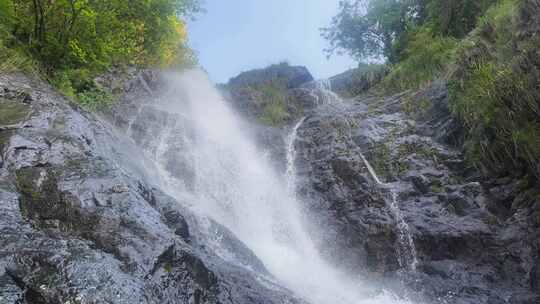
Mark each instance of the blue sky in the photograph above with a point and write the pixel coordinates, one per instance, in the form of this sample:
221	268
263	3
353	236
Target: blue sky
239	35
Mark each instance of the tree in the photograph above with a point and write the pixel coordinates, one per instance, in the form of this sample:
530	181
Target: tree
379	28
367	29
99	33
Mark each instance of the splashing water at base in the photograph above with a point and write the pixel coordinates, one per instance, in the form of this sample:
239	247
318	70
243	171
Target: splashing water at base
237	187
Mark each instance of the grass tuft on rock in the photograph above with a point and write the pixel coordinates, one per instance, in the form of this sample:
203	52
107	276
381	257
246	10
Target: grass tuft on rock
273	96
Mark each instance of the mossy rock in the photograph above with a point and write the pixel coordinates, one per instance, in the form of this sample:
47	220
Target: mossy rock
12	112
41	199
4	138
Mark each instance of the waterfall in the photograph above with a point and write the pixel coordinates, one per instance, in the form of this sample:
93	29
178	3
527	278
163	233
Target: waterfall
406	249
324	85
371	170
324	93
132	120
291	157
234	184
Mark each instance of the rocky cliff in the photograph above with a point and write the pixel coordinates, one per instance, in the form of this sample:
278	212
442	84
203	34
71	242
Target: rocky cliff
424	216
445	231
387	191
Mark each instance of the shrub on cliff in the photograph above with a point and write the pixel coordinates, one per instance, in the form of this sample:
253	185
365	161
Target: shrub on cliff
416	37
72	35
383	28
495	91
424	58
274	97
488	50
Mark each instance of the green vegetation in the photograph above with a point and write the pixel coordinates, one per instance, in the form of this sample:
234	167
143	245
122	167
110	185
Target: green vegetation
12	112
416	37
273	95
359	80
70	42
487	50
494	89
424	59
383	28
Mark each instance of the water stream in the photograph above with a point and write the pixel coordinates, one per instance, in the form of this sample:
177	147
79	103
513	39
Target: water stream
407	256
235	185
290	173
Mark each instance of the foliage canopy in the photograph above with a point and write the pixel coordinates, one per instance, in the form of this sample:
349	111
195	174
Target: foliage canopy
74	40
368	29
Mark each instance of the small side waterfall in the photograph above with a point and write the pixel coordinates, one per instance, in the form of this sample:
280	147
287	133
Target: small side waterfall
371	170
406	249
324	93
291	157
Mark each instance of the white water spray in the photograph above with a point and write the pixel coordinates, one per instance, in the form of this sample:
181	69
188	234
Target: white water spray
406	249
323	92
237	187
290	173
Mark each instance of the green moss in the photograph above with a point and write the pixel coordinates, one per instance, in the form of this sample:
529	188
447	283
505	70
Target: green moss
381	161
273	96
95	99
167	267
41	198
12	112
491	220
274	114
4	138
415	107
437	188
26	184
78	85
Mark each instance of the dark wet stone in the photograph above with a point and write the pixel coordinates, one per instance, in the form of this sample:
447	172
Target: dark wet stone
470	233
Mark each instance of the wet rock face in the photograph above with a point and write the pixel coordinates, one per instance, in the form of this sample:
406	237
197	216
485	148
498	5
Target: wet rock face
337	190
475	239
80	221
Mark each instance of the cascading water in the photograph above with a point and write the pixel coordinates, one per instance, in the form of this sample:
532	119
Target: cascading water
235	185
406	249
322	91
290	173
